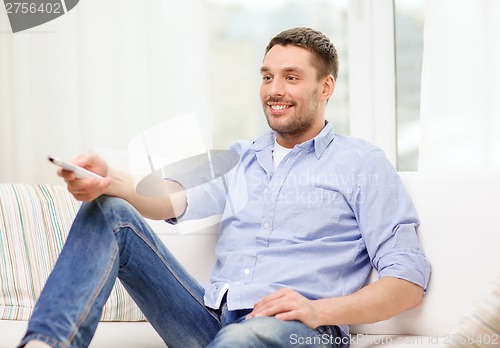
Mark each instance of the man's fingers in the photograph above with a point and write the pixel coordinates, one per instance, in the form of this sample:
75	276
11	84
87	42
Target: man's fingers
272	297
87	189
273	306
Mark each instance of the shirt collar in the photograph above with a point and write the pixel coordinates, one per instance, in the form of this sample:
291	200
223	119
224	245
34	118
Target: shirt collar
319	143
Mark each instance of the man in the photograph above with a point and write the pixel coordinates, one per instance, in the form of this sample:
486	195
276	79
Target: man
306	214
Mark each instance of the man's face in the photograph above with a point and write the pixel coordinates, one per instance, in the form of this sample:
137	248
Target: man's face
290	90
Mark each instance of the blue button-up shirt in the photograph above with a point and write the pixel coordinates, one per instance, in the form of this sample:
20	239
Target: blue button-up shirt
332	209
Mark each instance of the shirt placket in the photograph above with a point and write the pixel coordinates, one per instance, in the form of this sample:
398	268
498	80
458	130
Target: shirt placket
271	193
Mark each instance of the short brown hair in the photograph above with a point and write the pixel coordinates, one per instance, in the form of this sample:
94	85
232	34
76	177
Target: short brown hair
326	59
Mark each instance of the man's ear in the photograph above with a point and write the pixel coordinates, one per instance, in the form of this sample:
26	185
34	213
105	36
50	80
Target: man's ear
328	87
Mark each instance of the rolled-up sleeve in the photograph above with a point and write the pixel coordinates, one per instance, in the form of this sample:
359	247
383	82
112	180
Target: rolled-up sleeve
388	222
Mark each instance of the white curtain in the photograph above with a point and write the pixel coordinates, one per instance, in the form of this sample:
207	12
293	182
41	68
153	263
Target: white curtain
460	102
96	77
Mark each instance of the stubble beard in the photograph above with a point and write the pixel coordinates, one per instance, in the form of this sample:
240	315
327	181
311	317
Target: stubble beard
297	124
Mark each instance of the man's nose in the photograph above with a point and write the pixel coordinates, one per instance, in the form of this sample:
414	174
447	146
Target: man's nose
276	88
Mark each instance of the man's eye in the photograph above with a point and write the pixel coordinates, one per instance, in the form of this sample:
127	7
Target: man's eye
267	78
292	78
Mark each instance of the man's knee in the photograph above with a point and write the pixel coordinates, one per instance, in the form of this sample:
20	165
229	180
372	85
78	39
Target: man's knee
113	204
108	207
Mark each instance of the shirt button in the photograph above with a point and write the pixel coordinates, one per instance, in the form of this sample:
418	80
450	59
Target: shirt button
266	225
247	271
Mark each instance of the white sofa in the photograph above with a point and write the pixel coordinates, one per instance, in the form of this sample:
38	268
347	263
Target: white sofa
458	232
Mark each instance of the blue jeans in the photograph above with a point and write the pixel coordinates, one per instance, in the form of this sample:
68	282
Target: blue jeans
110	239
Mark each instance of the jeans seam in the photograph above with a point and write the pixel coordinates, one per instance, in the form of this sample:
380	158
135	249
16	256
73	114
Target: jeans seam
165	263
92	300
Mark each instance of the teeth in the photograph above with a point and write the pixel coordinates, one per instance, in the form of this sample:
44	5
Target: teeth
279	107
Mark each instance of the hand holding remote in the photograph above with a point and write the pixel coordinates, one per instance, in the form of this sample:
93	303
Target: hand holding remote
79	172
85	176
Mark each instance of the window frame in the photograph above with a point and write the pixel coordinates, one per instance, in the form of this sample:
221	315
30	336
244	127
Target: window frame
372	72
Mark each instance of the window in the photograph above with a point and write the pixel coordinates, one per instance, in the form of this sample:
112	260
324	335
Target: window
385	45
409	23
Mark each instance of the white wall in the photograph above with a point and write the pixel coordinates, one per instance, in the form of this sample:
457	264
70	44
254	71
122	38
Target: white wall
95	77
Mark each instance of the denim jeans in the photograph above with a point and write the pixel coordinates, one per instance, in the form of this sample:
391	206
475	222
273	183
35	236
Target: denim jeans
109	239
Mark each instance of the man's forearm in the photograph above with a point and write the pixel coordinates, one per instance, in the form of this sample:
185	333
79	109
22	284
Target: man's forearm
167	199
378	301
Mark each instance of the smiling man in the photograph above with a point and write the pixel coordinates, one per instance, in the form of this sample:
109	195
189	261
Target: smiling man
294	93
306	215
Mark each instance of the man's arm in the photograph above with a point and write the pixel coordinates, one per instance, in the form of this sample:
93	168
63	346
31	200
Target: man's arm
168	202
378	301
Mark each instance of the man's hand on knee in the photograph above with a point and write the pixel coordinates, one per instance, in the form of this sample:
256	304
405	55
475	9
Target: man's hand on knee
287	304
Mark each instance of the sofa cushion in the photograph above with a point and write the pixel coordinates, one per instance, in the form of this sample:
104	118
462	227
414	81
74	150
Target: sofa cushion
108	334
34	222
460	238
481	328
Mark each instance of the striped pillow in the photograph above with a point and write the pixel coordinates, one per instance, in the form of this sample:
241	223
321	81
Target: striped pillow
34	222
482	327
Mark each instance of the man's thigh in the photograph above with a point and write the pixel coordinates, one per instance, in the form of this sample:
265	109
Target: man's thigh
269	332
167	294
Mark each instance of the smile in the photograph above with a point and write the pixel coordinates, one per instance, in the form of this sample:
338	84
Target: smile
278	108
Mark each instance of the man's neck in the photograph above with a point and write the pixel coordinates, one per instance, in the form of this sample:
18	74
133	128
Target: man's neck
290	140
